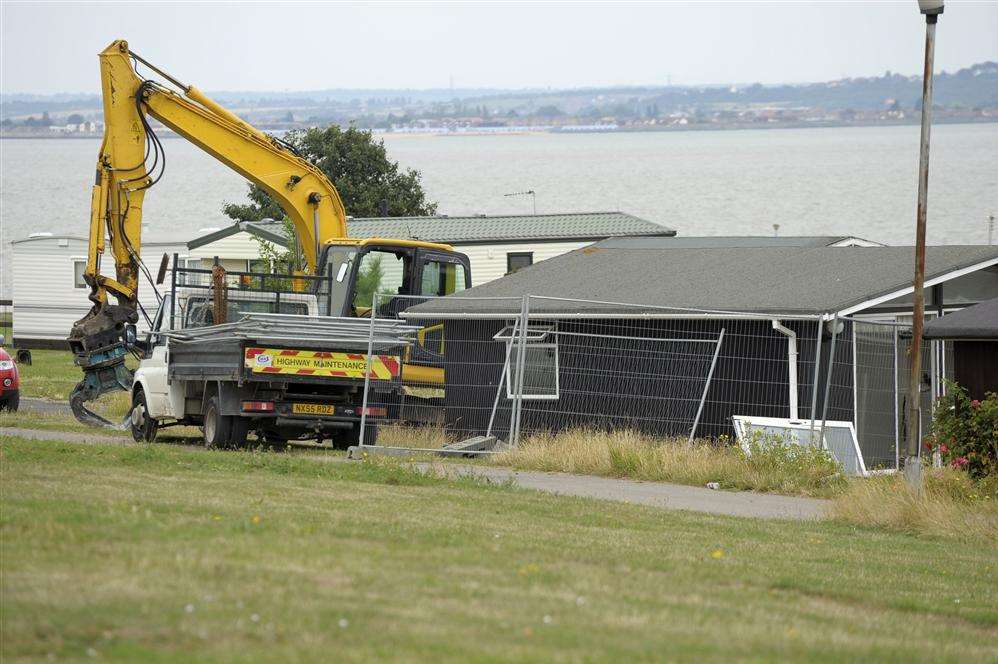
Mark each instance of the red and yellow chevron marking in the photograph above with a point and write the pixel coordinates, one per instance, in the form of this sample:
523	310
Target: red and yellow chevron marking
320	363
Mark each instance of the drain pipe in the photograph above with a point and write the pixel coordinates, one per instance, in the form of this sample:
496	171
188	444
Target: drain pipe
792	362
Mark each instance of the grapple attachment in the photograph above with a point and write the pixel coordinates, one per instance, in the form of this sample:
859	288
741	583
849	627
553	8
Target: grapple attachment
100	343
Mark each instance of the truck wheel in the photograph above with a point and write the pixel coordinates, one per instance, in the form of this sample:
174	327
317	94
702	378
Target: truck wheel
217	427
240	429
370	433
352	436
143	426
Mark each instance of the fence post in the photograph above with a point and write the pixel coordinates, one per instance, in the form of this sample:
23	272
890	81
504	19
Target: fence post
367	371
520	367
502	379
814	383
897	415
828	379
706	387
173	291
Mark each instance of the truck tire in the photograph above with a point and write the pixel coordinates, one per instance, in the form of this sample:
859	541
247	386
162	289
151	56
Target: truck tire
217	427
352	436
143	427
11	403
240	429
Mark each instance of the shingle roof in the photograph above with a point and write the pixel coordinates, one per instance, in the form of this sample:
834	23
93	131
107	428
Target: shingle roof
465	230
977	322
519	228
790	280
705	242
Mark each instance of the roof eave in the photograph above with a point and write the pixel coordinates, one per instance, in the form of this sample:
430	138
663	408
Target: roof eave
238	227
887	296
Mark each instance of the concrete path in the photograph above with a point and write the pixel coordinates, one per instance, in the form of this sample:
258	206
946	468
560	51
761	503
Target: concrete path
654	494
65	436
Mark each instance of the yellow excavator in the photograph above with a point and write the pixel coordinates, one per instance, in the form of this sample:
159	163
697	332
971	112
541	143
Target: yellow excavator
132	159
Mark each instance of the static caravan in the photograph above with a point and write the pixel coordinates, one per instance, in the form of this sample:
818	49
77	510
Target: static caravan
48	290
496	245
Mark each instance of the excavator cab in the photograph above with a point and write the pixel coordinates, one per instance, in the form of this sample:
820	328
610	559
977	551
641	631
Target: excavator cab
408	269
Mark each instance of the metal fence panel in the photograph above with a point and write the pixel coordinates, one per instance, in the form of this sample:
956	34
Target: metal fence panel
455	378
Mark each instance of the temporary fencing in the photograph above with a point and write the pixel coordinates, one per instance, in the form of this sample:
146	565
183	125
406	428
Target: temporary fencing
515	367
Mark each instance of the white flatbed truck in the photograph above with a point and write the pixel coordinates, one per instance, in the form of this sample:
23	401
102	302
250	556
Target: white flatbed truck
286	376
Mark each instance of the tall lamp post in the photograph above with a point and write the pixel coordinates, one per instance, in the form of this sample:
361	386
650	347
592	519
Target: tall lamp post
913	464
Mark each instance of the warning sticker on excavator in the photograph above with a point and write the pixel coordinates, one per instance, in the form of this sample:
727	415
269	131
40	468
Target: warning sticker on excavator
320	363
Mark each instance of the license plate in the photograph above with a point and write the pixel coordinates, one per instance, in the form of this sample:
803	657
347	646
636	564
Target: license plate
312	409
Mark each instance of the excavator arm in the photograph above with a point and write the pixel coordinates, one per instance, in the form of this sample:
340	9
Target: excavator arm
131	160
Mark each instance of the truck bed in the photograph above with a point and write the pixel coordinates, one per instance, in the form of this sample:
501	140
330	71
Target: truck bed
219	352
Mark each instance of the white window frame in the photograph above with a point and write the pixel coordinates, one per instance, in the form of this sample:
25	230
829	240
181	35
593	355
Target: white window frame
510	394
74	260
743	428
535	333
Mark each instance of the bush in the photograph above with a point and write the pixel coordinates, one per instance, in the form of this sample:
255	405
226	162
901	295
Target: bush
965	431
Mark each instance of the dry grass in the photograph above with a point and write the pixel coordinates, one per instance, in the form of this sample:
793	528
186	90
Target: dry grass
425	437
791	470
952	506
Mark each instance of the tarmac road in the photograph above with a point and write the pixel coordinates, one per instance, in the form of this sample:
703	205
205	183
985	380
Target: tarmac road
36	405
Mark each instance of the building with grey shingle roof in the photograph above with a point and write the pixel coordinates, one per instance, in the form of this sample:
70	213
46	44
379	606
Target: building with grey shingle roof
798	279
495	244
606	313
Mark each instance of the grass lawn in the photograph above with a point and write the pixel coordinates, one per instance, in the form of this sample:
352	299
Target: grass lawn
51	375
163	553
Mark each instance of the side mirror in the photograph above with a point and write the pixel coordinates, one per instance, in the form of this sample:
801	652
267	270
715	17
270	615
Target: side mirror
131	335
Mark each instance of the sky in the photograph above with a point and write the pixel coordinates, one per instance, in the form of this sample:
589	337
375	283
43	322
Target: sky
51	47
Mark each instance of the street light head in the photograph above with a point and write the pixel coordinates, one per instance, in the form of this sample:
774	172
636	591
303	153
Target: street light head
930	7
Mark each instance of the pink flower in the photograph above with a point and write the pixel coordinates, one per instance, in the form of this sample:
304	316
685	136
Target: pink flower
975	404
943	449
959	462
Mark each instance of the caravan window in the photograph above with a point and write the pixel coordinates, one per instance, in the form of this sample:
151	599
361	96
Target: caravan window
79	266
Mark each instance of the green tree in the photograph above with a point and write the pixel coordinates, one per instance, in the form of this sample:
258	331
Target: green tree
75	118
359	167
369	281
283	258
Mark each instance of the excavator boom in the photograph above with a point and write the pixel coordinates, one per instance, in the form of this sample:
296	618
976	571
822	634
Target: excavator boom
130	161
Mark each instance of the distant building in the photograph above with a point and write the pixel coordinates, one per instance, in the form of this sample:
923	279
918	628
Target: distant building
496	245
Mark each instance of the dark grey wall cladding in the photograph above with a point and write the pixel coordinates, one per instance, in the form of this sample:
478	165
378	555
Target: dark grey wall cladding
643	385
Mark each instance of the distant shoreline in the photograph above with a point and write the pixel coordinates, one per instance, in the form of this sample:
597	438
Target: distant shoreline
571	132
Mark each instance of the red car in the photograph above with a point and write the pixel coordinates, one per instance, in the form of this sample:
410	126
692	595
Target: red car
10	381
